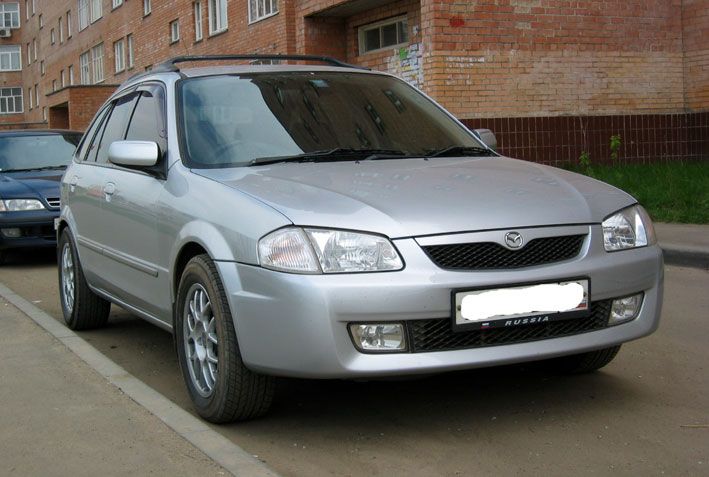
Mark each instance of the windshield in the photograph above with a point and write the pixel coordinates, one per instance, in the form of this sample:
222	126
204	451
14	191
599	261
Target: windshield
44	151
236	120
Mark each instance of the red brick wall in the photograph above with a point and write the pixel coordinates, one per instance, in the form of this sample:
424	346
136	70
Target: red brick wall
695	14
553	57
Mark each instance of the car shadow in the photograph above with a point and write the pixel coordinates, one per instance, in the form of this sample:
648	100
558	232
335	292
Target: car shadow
29	257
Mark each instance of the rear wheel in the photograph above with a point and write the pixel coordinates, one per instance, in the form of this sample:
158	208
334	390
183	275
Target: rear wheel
221	387
585	362
82	308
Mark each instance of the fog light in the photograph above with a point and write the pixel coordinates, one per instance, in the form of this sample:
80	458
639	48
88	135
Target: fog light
625	309
378	337
12	232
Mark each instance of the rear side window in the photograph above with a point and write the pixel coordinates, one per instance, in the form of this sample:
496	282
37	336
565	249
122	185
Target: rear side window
115	129
85	145
147	123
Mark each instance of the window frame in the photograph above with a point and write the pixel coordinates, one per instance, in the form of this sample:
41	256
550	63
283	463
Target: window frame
97	64
84	15
379	25
96	10
218	5
14	15
198	20
10	54
14	99
68	24
175	31
256	18
85	67
119	58
147	7
116	3
130	58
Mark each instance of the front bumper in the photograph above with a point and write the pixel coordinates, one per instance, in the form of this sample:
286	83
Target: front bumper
296	325
36	226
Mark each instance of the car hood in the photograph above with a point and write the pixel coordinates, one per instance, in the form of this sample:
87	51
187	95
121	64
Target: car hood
30	184
414	197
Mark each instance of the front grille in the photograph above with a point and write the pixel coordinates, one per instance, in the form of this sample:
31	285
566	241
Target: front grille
54	202
492	256
437	335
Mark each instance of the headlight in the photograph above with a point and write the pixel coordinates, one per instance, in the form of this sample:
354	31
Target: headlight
19	205
629	228
293	249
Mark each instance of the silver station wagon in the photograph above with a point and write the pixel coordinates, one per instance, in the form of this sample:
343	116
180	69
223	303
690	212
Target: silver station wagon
324	221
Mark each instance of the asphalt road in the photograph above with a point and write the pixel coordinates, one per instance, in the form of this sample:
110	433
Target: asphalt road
647	413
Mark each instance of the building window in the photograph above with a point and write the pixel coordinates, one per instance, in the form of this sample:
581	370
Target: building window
384	34
147	7
68	24
34	47
29	95
41	68
40	19
52	36
174	31
97	62
62	78
197	21
54	85
44	113
60	26
119	53
129	40
96	10
34	6
36	95
27	9
10	58
83	14
29	54
117	3
217	16
84	68
260	9
71	75
10	100
9	15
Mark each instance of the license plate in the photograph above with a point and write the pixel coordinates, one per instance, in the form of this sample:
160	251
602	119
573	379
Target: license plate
521	305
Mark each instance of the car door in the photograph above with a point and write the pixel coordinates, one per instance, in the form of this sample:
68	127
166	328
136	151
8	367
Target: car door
81	191
130	212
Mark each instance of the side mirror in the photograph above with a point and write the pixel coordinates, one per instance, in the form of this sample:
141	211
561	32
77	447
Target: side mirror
133	153
488	137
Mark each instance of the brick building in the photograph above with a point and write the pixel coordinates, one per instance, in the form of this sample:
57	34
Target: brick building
552	78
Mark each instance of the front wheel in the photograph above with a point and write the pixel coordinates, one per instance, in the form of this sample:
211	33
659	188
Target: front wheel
81	307
221	387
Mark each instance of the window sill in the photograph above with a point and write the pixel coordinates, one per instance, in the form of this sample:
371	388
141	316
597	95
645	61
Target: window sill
270	15
212	34
172	42
384	48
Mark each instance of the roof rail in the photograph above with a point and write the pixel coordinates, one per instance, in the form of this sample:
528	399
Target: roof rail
171	64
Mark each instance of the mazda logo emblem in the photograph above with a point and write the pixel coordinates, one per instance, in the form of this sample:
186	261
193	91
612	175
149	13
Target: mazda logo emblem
514	239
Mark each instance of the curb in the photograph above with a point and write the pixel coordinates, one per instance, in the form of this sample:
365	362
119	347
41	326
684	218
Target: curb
217	447
685	256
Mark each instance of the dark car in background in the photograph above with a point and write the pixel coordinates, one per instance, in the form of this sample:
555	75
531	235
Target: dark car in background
31	165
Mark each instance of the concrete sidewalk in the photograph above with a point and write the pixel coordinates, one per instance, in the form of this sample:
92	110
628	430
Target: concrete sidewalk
684	244
60	417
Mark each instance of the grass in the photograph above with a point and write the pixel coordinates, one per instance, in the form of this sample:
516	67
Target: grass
671	192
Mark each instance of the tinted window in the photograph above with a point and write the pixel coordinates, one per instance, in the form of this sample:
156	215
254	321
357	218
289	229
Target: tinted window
41	151
115	129
147	121
89	135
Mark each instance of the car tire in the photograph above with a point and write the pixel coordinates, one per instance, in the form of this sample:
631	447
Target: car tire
221	387
82	308
585	362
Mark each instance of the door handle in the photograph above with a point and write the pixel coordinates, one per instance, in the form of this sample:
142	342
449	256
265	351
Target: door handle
108	190
72	183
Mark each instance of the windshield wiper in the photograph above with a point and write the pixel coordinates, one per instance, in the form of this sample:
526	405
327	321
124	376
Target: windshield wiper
339	153
460	151
43	168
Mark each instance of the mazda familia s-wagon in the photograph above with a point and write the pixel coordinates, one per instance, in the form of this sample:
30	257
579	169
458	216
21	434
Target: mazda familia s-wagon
324	221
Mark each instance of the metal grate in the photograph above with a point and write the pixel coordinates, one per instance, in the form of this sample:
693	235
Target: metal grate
54	202
491	256
437	335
